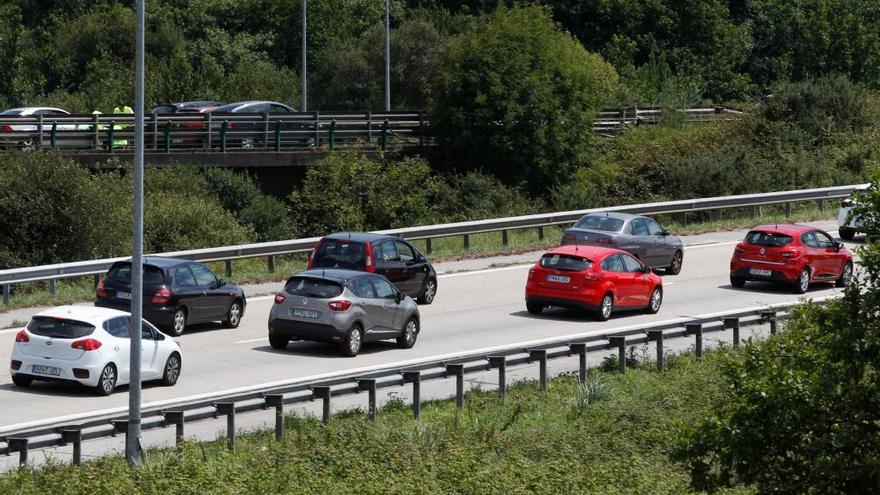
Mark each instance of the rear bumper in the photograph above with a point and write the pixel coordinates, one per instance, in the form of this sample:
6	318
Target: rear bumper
775	275
157	315
301	330
66	371
561	302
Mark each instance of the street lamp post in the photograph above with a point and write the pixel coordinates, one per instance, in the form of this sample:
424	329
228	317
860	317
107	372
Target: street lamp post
387	55
305	94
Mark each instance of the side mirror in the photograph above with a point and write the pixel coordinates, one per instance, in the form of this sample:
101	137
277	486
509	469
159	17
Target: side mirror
398	297
646	269
665	233
221	282
838	245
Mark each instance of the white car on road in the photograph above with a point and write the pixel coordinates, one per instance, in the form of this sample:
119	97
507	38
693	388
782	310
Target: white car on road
90	346
26	135
847	226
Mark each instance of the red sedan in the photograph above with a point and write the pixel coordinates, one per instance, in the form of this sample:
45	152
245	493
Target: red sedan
792	254
592	278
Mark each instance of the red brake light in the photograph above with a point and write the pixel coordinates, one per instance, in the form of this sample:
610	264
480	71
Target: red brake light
531	273
86	344
604	240
22	336
369	263
162	296
5	128
791	254
569	238
279	298
340	305
102	291
312	255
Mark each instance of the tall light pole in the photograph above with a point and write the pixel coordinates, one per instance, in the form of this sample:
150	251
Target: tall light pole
387	55
305	94
133	451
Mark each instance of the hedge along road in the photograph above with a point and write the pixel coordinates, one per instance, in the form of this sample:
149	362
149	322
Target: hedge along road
473	310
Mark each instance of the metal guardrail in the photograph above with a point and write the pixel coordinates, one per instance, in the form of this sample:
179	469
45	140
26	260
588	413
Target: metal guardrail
53	433
427	232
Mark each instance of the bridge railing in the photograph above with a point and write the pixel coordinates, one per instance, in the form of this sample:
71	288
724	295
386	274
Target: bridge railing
427	232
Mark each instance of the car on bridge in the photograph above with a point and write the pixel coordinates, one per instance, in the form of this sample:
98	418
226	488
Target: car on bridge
638	235
258	131
90	346
848	224
345	307
27	135
792	254
387	255
176	293
596	279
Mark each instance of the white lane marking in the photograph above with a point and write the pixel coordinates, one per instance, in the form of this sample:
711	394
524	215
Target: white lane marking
488	270
3	332
713	244
390	366
252	340
261	298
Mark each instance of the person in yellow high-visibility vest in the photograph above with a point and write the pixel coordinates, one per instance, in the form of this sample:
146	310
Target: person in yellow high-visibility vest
121	108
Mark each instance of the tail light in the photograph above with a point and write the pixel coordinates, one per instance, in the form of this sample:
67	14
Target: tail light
369	264
340	305
86	345
279	298
5	128
312	255
16	364
605	240
102	291
162	296
531	273
846	203
569	239
791	254
22	336
739	249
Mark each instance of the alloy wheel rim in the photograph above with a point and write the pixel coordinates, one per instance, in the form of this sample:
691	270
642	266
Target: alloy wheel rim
655	300
108	376
805	280
173	369
234	314
429	291
410	331
179	319
606	306
847	274
676	262
354	343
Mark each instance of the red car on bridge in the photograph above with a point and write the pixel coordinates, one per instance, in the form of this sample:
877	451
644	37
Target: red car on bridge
792	254
596	279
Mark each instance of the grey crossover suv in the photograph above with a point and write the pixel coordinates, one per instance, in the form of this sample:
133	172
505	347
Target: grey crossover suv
640	236
345	307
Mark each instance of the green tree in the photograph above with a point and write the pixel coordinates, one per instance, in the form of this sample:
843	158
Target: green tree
515	96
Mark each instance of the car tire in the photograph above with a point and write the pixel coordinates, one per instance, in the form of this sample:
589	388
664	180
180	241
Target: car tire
802	284
233	316
106	380
737	281
22	380
846	233
655	301
534	308
845	276
675	267
606	307
171	372
428	292
353	341
278	342
178	322
409	334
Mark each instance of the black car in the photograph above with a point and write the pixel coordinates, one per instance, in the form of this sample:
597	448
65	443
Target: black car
258	130
176	293
393	257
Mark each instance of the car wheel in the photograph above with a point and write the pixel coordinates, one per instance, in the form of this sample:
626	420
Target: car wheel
248	143
410	333
233	316
351	345
429	292
655	301
178	323
846	233
278	342
534	308
675	267
605	307
28	145
737	281
845	276
22	380
172	370
106	380
803	282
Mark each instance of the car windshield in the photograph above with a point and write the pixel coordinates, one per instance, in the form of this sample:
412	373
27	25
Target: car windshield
122	273
340	253
565	262
770	239
12	111
600	222
59	328
312	287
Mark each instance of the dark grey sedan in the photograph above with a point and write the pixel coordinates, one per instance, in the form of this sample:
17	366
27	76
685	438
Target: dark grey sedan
641	236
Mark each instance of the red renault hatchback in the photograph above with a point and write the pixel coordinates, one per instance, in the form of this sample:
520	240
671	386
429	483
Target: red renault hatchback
792	254
596	279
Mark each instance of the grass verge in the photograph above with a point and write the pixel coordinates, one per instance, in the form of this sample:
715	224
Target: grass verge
256	270
613	435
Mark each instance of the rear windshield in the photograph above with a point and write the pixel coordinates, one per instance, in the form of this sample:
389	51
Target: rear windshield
122	273
312	287
600	222
770	239
60	328
565	262
340	253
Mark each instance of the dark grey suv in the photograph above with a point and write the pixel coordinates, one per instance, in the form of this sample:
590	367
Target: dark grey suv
641	236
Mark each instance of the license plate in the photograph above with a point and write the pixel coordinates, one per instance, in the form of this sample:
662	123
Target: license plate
47	370
303	313
759	272
123	295
559	279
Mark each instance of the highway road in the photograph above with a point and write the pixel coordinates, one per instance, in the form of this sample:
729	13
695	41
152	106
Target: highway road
473	310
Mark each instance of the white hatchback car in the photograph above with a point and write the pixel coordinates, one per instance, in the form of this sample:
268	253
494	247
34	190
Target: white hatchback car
847	226
90	346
